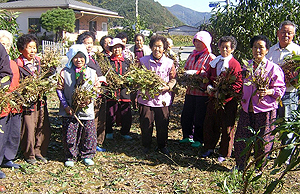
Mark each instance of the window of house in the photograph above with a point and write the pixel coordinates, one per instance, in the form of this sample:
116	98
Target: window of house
77	26
34	25
93	26
104	26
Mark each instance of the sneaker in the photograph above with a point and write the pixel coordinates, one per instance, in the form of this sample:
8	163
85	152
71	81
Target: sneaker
2	175
100	149
186	140
69	163
10	164
196	144
88	162
221	159
110	136
42	159
207	153
31	161
127	137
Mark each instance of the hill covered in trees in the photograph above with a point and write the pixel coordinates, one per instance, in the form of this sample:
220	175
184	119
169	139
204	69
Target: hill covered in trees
156	16
189	16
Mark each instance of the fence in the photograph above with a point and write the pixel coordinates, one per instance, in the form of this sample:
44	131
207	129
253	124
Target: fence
58	46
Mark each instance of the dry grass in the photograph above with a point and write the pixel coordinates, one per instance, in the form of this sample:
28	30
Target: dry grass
125	169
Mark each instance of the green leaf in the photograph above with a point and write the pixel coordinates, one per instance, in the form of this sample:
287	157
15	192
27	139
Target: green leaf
275	171
256	178
5	79
283	155
271	187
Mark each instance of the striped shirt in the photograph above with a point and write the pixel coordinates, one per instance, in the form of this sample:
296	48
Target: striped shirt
200	63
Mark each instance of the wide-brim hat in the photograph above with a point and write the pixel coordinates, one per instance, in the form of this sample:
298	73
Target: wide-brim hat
116	41
204	37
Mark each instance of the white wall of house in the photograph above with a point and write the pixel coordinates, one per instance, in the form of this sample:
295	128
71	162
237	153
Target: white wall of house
23	22
29	13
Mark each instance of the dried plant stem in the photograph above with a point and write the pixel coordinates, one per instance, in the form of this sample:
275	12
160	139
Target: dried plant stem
78	120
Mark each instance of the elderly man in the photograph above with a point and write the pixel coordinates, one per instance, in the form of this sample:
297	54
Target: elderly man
277	53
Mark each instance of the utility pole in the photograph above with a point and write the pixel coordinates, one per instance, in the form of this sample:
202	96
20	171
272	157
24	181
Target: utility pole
136	9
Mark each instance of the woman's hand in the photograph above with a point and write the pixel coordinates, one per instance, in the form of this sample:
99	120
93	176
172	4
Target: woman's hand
265	92
165	88
210	89
69	110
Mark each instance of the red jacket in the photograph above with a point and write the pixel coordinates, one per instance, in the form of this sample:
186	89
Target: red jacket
13	85
238	84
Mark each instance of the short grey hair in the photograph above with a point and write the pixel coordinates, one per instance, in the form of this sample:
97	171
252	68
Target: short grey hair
287	22
7	34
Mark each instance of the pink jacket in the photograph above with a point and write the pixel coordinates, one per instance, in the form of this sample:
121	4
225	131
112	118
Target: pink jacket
162	68
268	102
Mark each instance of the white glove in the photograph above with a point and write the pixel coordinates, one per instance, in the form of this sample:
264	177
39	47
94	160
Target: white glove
209	89
102	79
190	72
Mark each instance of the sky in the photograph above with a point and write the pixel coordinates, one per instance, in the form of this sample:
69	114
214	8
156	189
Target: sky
197	5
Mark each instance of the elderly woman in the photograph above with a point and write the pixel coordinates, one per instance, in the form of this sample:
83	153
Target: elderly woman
258	104
194	108
119	111
104	41
10	119
79	141
88	38
126	52
157	109
35	129
139	49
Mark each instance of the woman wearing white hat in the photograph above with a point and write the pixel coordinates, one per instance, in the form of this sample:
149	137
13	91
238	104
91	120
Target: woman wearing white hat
119	111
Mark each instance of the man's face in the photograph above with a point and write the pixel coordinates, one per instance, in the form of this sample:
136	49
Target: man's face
286	35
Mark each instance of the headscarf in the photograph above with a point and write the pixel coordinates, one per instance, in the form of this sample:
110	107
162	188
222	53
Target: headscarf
204	37
74	49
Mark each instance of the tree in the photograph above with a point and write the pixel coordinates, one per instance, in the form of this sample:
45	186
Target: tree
249	18
58	20
8	21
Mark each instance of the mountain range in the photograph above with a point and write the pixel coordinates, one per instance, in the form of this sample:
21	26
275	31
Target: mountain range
153	13
189	16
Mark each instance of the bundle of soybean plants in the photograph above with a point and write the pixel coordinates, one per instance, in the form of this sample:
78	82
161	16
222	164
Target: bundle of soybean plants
291	68
191	78
258	77
113	79
147	82
223	88
50	59
83	95
33	88
5	95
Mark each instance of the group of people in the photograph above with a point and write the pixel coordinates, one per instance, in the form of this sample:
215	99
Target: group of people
203	123
85	127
